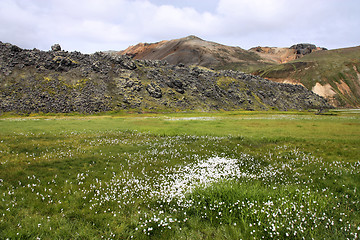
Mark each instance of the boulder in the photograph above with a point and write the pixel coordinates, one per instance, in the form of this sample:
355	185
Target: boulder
154	90
303	48
56	47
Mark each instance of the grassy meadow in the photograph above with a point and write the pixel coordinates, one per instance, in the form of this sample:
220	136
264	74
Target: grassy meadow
222	175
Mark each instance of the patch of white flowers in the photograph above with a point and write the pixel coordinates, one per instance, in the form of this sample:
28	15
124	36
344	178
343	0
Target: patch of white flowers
159	182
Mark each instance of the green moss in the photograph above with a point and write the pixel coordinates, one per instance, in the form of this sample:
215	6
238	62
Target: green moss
81	83
225	82
47	79
257	98
60	58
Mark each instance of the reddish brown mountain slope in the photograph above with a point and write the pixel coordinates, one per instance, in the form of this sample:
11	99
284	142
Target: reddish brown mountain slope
191	50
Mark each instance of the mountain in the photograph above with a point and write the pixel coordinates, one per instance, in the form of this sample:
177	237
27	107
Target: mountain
192	50
61	81
333	74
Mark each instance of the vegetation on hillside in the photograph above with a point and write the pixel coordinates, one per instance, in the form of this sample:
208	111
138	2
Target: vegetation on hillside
339	68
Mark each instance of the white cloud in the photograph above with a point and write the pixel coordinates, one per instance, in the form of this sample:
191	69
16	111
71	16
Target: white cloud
88	24
92	25
285	22
16	23
167	20
256	9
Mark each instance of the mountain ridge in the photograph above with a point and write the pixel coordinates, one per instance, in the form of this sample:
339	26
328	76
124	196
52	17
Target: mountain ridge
190	50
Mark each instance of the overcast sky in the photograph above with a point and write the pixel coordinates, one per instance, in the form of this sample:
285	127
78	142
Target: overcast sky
98	25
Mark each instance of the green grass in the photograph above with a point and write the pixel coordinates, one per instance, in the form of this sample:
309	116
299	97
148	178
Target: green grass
222	175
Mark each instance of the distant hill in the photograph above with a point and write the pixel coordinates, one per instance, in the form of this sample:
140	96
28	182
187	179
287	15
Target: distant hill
283	55
192	50
333	74
60	81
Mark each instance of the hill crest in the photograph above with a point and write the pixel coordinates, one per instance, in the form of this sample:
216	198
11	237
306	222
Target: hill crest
190	50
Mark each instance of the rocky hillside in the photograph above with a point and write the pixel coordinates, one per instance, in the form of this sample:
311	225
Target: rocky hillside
60	81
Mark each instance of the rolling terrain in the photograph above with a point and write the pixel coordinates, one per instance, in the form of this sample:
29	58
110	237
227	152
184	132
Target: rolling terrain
333	74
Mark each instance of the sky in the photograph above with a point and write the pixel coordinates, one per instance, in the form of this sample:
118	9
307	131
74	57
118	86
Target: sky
99	25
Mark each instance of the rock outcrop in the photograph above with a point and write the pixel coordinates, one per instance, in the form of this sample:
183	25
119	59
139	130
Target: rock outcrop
302	49
60	81
283	55
56	47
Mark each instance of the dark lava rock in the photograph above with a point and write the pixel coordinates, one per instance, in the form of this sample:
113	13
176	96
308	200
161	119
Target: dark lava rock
60	81
56	47
154	90
305	48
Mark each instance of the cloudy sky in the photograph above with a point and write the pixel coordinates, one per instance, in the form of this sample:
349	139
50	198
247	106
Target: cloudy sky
99	25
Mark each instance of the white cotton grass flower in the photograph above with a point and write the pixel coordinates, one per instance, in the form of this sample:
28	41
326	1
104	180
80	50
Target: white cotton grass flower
202	173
